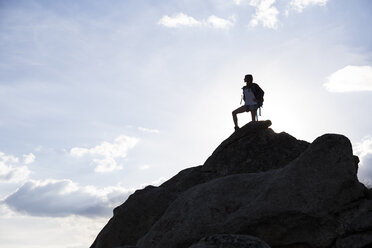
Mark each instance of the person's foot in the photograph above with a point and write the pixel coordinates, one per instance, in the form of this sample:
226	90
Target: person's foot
236	128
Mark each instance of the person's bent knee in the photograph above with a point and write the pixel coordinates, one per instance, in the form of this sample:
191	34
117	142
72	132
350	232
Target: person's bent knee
239	110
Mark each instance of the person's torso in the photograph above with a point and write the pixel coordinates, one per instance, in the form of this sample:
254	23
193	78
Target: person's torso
249	96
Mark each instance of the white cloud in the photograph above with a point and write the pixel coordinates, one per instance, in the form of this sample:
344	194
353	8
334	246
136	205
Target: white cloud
29	158
364	151
299	5
11	171
183	20
178	20
64	198
220	23
148	130
364	147
350	78
118	148
266	13
107	155
106	165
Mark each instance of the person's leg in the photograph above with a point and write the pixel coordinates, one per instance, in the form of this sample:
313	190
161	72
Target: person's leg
254	114
239	110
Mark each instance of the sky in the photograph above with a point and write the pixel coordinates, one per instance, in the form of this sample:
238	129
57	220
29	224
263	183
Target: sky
100	98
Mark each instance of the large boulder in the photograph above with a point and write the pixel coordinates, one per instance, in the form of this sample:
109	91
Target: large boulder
134	217
230	241
254	148
297	204
142	209
188	178
284	191
356	225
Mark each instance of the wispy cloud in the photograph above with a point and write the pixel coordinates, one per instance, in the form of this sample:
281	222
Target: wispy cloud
220	23
183	20
11	171
178	20
106	155
29	158
350	78
148	130
266	13
64	198
299	5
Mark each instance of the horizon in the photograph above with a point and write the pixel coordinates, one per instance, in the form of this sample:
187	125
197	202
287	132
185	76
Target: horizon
99	99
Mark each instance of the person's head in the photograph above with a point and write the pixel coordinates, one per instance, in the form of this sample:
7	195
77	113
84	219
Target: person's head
248	79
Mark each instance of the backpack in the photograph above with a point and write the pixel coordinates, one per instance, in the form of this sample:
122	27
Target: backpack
259	94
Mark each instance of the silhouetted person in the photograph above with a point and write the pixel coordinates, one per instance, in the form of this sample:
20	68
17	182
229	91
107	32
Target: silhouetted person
253	98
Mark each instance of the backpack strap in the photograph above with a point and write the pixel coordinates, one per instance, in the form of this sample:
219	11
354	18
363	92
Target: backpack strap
259	113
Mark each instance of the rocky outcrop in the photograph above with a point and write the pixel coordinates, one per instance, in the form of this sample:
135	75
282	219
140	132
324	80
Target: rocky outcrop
294	204
254	148
286	192
356	225
230	241
134	217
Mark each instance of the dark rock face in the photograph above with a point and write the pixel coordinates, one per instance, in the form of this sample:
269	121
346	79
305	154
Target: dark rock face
272	186
356	225
188	178
230	241
284	206
254	148
134	217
